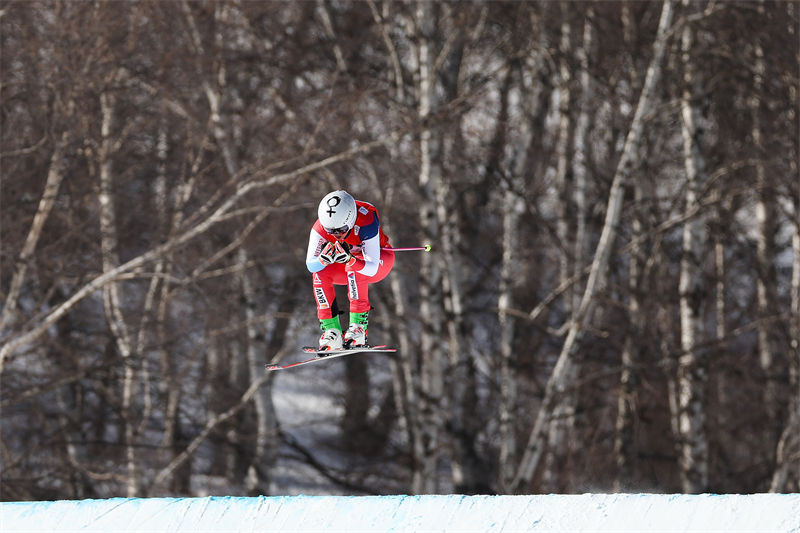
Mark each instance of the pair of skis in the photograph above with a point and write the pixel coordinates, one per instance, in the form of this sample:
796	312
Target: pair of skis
329	354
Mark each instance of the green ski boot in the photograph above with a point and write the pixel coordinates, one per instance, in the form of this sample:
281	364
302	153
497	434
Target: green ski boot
331	338
356	334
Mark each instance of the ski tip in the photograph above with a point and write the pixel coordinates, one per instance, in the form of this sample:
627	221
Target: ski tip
427	247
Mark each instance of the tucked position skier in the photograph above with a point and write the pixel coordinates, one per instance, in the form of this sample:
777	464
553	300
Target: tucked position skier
346	247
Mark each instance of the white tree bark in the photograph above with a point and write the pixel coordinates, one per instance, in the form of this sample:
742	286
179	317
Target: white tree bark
408	384
262	400
580	165
720	307
55	176
405	375
693	363
562	424
624	437
564	371
431	304
766	291
394	57
513	208
562	153
111	292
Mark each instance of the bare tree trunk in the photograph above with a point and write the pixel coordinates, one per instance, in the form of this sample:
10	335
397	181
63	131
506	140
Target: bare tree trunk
407	385
562	155
257	481
430	291
693	363
405	378
720	308
513	209
562	424
174	438
564	371
765	256
55	176
150	311
469	473
624	437
394	57
111	297
580	166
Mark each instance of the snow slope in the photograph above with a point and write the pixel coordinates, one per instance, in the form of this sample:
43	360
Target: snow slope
578	513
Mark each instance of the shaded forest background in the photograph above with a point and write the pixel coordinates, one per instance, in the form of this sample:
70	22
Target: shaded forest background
611	191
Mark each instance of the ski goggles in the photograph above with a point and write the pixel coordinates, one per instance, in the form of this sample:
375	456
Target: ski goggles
338	231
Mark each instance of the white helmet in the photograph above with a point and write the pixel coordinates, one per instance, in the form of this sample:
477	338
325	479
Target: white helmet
337	212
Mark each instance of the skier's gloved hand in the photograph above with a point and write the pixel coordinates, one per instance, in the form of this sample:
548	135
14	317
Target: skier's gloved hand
326	256
340	253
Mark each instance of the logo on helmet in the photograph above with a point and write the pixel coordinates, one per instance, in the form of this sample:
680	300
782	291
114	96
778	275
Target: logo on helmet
333	201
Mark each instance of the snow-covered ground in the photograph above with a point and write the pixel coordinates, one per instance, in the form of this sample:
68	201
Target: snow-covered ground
579	513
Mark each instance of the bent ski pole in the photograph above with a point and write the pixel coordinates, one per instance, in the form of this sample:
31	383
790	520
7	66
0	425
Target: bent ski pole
426	248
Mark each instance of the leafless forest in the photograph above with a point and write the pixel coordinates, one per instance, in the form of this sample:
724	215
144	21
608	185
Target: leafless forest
611	190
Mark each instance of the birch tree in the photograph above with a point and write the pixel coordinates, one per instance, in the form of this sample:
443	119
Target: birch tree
624	438
431	303
405	378
693	364
513	208
786	476
55	176
766	292
562	424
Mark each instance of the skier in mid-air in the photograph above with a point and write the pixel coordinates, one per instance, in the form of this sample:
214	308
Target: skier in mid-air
346	246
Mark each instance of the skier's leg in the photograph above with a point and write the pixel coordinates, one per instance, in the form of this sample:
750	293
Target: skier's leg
327	310
358	293
358	284
324	293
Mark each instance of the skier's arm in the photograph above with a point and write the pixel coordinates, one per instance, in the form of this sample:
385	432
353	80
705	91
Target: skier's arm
371	257
370	248
315	244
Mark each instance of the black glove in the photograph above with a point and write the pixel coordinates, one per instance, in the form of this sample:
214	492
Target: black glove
341	253
326	256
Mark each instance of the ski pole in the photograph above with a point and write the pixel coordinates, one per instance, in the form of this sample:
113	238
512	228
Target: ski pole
426	248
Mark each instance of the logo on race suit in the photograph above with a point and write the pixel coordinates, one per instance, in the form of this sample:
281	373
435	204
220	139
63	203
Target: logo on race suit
356	229
333	201
322	301
363	210
316	279
352	286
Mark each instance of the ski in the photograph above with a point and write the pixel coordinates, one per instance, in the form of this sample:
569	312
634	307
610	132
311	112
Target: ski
331	354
